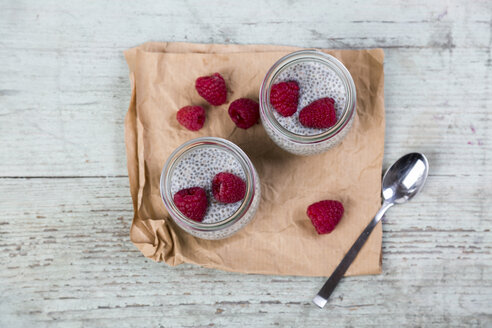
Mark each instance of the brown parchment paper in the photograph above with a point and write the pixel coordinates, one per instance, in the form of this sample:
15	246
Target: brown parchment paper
280	240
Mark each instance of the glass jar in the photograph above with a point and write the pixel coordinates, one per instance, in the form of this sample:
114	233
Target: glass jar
194	164
322	140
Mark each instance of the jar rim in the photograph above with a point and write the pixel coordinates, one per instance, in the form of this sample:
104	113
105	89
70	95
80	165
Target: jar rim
299	56
173	159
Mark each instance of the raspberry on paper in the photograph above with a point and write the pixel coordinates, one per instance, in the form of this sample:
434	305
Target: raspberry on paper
325	215
191	117
244	112
212	88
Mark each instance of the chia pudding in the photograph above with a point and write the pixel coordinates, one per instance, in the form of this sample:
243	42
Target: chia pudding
315	81
197	168
318	75
194	164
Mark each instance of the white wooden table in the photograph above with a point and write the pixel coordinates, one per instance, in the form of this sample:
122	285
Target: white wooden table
65	207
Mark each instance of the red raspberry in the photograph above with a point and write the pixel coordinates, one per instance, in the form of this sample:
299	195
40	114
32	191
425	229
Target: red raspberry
244	112
319	114
192	202
228	188
212	88
191	117
325	215
284	97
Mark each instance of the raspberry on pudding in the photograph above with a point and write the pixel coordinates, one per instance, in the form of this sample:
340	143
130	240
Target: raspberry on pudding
192	202
228	188
284	97
319	114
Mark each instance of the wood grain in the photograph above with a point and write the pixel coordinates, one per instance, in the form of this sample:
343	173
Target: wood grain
65	207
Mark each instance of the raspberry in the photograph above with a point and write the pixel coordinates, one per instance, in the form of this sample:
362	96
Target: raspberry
192	202
325	215
319	114
228	188
244	112
212	88
191	117
284	97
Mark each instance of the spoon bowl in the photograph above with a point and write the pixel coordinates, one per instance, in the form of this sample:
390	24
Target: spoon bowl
405	178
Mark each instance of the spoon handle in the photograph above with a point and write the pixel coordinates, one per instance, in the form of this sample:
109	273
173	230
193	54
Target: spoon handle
325	292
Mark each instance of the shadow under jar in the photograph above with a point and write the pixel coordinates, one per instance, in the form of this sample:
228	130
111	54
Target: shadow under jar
318	75
194	164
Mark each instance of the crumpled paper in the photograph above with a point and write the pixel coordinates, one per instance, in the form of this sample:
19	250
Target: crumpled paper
281	239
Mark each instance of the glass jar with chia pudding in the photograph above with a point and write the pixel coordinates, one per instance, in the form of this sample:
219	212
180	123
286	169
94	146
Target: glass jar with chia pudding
318	75
195	164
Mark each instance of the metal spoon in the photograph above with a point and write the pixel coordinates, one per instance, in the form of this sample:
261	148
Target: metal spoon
401	182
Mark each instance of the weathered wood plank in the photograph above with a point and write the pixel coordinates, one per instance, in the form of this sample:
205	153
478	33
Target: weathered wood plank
78	25
67	260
